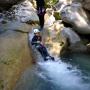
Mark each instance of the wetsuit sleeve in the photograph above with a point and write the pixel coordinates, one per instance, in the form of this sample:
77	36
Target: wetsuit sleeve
33	40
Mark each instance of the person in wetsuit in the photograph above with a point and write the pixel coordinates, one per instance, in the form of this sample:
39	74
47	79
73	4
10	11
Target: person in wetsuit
41	12
37	42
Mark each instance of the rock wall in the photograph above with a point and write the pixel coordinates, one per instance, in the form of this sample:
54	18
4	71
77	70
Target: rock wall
5	4
86	4
15	54
74	14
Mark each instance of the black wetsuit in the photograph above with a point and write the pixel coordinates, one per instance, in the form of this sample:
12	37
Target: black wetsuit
41	11
40	3
41	48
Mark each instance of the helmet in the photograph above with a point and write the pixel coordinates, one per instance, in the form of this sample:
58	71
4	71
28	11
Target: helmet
36	31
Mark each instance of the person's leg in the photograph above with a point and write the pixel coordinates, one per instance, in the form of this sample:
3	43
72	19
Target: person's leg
41	51
41	20
45	51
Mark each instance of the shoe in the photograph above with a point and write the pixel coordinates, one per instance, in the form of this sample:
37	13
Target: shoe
52	58
46	58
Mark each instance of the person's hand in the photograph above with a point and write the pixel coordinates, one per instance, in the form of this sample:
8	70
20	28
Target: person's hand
38	42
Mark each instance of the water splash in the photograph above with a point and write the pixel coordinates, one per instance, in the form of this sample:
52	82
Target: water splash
63	75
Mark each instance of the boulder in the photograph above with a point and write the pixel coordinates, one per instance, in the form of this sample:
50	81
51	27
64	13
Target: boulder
70	35
86	4
5	4
76	16
15	57
49	18
73	40
25	12
53	40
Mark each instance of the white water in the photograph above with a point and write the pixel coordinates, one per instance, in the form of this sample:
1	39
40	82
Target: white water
62	75
59	74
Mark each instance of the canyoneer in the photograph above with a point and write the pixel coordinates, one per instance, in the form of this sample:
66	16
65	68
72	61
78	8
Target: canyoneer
37	42
41	12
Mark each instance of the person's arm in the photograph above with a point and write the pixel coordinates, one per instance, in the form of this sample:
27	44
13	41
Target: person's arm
35	41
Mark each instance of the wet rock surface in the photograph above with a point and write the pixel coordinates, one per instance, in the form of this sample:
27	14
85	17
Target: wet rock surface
6	4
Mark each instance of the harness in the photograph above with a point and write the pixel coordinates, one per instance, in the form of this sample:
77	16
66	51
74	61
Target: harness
41	11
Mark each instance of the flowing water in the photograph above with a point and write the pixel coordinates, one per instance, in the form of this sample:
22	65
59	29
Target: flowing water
70	73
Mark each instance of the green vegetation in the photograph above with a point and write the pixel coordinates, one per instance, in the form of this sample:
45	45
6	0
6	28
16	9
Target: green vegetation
57	16
50	3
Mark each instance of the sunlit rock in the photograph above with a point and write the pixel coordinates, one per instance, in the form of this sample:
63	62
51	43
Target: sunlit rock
49	18
53	40
73	14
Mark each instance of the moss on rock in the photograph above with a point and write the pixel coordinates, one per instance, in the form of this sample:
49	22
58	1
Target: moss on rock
57	16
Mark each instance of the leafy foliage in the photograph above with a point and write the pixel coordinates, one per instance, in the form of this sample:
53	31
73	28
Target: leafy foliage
50	3
57	16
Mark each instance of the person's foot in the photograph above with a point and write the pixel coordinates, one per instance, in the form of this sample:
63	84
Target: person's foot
46	58
52	58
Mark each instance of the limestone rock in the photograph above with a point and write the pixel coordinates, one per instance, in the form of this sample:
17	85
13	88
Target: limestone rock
49	18
86	4
76	16
5	4
15	57
25	12
70	35
73	40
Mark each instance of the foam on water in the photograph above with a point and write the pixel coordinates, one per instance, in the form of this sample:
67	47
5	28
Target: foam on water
60	74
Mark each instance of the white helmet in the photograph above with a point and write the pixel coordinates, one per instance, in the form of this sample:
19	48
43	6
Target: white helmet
36	31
